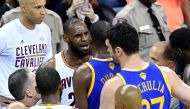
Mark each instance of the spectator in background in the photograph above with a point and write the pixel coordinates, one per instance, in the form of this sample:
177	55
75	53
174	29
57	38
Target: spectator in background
89	11
149	20
51	4
114	4
9	4
177	12
2	2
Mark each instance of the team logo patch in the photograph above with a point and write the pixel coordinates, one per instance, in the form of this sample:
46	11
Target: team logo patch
142	75
111	66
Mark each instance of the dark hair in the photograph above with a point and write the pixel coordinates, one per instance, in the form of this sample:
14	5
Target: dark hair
69	22
47	80
17	83
168	53
180	38
125	36
98	31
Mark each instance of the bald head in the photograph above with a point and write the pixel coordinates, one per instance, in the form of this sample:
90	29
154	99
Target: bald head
71	23
128	97
16	105
161	53
159	47
22	2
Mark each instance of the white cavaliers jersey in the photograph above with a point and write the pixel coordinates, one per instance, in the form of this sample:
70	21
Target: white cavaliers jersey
66	74
22	48
51	107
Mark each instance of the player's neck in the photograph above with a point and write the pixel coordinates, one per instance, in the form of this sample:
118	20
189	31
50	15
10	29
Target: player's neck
73	60
101	54
26	23
51	99
29	102
132	62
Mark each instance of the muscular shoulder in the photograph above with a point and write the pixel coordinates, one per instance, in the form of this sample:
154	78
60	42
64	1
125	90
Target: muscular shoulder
113	83
169	74
82	76
82	72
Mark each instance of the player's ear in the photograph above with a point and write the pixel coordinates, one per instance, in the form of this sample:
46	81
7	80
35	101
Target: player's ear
118	51
170	64
23	8
66	38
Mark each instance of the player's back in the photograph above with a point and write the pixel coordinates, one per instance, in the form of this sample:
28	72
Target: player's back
156	93
102	70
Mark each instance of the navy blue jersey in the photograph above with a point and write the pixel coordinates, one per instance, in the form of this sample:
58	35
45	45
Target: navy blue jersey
151	81
102	70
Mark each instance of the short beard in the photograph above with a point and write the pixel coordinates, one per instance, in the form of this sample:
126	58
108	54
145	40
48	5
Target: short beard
78	52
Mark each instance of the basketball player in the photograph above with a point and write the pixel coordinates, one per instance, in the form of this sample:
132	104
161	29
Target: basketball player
24	43
50	87
129	93
78	39
89	79
155	83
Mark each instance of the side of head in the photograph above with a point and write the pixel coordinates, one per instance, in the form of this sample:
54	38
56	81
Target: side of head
48	81
179	41
122	39
162	54
22	84
33	10
77	35
128	97
98	33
